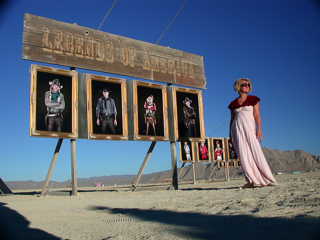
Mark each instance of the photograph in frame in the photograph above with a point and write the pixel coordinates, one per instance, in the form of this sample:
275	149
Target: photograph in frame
204	150
150	111
53	102
188	114
233	163
222	164
106	108
231	150
186	152
218	149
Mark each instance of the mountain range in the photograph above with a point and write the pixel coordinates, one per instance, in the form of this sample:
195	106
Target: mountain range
279	161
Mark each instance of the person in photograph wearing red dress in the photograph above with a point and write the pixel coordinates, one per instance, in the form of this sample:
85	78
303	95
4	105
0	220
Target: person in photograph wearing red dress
218	151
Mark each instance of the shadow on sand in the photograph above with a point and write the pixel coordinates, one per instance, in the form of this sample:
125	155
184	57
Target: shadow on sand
201	226
14	226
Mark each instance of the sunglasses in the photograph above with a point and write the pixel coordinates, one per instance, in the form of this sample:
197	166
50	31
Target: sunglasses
245	85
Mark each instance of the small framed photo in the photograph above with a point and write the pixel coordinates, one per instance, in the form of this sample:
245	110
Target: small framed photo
204	150
218	149
150	111
232	155
186	152
106	108
233	163
188	114
222	164
53	102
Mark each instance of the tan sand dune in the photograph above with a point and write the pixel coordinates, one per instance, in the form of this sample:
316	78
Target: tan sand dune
216	210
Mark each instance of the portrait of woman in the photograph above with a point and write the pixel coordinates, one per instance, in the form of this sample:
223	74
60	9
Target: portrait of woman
245	132
218	149
150	111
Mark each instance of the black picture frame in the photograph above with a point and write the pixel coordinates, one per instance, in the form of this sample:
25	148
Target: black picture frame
184	158
150	111
204	153
41	78
118	93
196	132
231	151
218	152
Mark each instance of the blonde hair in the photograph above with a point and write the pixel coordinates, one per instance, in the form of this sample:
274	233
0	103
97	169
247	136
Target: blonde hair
237	84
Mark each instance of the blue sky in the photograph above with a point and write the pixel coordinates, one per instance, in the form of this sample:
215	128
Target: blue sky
273	43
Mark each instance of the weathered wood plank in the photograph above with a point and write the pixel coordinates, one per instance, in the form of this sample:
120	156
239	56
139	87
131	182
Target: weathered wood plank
54	42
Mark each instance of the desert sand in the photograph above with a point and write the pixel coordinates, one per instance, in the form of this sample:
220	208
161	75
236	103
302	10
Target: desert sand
215	210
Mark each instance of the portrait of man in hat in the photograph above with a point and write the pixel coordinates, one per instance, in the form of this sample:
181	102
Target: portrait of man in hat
55	103
188	111
106	113
189	118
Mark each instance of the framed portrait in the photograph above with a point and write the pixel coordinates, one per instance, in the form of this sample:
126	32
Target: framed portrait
204	150
232	155
188	114
186	152
150	111
222	164
106	108
233	163
218	149
53	102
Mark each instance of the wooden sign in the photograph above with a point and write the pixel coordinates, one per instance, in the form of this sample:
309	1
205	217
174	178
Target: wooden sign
54	42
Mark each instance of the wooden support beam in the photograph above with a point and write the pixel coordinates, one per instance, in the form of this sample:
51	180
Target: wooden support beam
181	169
235	172
214	167
174	165
227	161
194	173
73	167
53	161
145	161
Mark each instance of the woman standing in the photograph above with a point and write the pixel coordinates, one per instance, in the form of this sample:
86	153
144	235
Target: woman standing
245	131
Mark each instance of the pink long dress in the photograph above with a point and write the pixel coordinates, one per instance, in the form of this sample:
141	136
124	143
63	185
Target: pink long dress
243	133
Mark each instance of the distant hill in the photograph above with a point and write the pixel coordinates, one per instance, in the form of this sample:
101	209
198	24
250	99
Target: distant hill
279	161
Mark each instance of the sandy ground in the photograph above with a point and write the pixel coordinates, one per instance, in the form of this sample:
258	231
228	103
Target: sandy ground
216	210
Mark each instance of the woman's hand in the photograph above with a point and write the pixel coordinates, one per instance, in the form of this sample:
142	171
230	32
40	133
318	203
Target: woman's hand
259	135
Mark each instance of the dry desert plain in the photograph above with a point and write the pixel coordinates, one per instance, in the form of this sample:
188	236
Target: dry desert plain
215	210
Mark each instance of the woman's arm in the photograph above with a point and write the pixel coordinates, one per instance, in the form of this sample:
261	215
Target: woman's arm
256	115
231	121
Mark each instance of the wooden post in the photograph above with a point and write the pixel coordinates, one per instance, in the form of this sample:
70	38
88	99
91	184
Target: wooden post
135	183
214	167
235	172
53	161
194	173
73	167
226	171
174	165
181	169
227	161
